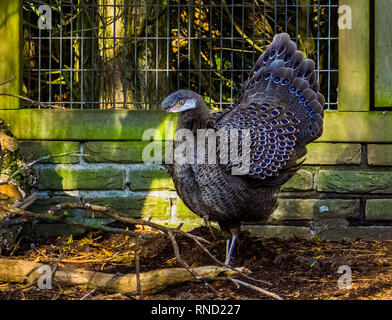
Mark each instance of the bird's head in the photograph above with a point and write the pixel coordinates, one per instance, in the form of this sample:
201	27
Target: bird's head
180	101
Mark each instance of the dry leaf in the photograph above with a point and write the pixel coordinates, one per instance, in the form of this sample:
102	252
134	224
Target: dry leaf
8	143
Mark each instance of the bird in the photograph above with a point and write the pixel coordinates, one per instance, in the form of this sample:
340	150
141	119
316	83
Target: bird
280	108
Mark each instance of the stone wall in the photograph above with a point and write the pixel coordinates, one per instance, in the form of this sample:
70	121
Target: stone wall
344	190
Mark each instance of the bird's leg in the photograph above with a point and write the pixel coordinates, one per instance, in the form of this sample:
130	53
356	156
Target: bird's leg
230	247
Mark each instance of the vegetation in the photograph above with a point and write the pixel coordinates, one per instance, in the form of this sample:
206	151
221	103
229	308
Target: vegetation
130	54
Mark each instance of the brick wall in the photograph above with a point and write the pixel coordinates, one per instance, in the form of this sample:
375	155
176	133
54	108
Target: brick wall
344	190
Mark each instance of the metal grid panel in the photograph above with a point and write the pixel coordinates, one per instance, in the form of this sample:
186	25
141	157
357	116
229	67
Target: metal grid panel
119	54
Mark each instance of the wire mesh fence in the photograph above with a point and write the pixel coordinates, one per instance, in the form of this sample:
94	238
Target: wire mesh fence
123	54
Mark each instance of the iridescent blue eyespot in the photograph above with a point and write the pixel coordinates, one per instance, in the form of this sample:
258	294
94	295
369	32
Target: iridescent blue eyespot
288	58
313	114
274	122
272	135
293	88
299	93
257	68
265	59
313	120
276	79
286	81
267	76
258	170
273	147
309	108
263	109
272	141
275	113
267	161
290	129
272	55
280	131
260	149
296	66
270	156
284	121
302	99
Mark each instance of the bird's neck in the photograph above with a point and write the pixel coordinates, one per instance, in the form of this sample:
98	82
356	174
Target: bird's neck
194	119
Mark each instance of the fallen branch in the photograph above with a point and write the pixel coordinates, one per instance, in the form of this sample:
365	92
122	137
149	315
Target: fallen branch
28	216
132	221
21	271
166	230
245	284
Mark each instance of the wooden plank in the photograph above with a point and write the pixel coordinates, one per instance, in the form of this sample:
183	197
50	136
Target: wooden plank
90	125
383	56
354	60
10	51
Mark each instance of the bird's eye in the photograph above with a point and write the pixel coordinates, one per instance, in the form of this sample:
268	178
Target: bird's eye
182	101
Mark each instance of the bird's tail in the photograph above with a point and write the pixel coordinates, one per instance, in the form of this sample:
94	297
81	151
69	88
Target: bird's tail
282	73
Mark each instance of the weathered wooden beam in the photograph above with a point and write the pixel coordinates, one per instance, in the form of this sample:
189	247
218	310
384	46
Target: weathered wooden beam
86	125
10	52
354	60
383	57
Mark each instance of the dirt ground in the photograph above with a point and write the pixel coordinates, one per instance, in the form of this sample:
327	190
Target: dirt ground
296	269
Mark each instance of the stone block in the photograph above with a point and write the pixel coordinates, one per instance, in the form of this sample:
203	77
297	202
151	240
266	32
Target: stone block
379	154
333	154
32	150
355	181
378	209
71	179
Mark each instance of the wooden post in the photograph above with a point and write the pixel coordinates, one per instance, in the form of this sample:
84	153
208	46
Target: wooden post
354	61
383	53
10	51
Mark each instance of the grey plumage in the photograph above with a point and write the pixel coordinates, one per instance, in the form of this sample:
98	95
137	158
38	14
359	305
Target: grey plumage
282	107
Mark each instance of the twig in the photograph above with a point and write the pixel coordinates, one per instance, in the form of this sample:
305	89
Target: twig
127	220
50	217
228	266
137	263
27	202
13	222
6	81
184	264
101	286
25	167
245	284
33	102
254	45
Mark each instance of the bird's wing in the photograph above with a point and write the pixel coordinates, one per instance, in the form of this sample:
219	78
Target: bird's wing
282	107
